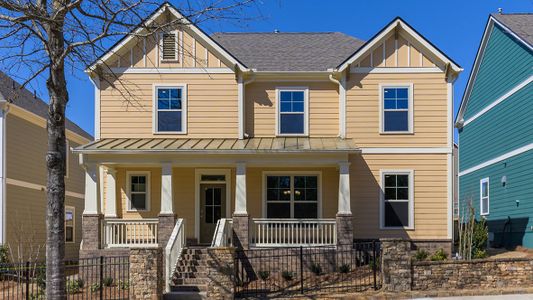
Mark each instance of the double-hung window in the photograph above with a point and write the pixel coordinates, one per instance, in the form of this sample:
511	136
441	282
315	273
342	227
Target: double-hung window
69	224
292	196
292	111
484	196
397	109
170	109
138	191
397	199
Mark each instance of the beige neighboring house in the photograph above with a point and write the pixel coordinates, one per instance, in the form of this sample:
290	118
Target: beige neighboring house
23	144
293	138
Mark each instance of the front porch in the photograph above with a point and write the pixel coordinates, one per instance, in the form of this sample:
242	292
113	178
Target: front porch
253	200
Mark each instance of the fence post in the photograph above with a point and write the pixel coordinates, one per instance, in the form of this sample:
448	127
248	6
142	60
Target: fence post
301	269
101	277
374	265
27	280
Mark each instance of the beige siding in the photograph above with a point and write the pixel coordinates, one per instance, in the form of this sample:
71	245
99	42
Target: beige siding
26	149
126	106
397	51
26	223
430	110
430	194
261	108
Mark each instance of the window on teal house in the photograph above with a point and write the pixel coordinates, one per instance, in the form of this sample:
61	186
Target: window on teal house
484	196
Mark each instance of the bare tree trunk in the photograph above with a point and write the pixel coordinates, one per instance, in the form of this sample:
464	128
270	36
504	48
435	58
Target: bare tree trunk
55	159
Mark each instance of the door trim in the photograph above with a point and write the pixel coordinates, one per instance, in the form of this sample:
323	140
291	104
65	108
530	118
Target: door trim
198	181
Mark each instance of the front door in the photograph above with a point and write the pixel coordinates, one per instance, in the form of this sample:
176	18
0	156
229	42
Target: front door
212	208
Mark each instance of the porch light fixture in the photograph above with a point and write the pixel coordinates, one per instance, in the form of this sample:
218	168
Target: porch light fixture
504	180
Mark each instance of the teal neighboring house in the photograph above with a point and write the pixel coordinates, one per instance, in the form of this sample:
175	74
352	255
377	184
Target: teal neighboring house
495	123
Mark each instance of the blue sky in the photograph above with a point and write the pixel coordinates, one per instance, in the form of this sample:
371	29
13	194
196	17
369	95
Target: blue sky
454	26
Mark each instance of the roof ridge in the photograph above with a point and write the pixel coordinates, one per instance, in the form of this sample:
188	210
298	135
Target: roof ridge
513	13
281	32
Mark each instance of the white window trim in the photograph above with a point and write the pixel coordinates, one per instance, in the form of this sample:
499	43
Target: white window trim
410	124
67	157
481	182
184	106
128	189
176	52
292	173
411	201
73	209
306	109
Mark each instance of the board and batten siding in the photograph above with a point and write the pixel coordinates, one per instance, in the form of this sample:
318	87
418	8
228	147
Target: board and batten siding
261	106
126	107
504	128
429	110
430	194
512	200
505	64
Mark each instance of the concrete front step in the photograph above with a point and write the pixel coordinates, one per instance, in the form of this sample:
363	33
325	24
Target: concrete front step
190	281
178	275
189	288
185	296
190	269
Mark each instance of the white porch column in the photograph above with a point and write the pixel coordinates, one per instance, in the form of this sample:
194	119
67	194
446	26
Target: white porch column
344	188
240	190
92	203
166	190
111	193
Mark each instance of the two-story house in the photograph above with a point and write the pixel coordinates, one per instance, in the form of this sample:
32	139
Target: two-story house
299	138
495	124
23	148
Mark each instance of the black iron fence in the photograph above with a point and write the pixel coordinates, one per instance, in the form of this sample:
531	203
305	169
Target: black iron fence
298	270
89	278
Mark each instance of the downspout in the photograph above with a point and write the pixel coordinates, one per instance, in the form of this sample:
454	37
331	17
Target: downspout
4	111
96	82
342	103
243	112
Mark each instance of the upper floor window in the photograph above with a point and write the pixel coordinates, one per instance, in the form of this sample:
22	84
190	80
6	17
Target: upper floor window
397	199
169	46
170	112
292	111
397	109
484	196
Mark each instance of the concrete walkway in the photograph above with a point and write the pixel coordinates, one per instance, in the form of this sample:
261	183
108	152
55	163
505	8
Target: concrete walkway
495	297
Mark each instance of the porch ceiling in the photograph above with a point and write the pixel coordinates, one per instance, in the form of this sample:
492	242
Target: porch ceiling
219	146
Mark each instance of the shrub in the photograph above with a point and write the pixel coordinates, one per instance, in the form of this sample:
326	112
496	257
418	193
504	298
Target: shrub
264	275
4	254
287	275
124	284
95	287
439	255
107	281
316	269
40	278
421	254
344	268
81	282
480	254
480	236
73	286
39	295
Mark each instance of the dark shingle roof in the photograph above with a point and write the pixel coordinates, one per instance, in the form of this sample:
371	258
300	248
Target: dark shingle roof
9	91
520	23
289	51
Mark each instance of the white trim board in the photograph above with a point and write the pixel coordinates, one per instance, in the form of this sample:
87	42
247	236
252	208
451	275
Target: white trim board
497	159
170	71
371	70
499	100
407	150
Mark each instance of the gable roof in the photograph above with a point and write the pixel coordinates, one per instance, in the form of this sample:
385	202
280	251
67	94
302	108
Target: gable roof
389	28
516	25
293	52
149	20
520	24
23	98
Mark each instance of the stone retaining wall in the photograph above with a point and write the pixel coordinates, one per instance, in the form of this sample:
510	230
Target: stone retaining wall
476	274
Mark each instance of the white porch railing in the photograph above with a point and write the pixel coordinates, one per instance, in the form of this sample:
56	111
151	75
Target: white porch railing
293	232
223	233
173	250
129	233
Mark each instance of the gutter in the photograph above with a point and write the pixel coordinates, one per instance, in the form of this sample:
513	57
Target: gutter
342	101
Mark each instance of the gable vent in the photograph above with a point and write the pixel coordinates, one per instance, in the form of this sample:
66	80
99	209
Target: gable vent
169	46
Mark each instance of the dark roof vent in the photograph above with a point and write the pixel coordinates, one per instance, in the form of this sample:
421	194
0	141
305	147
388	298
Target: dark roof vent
500	10
276	30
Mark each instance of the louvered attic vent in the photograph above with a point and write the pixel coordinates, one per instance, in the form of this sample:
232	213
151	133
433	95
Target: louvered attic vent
169	46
